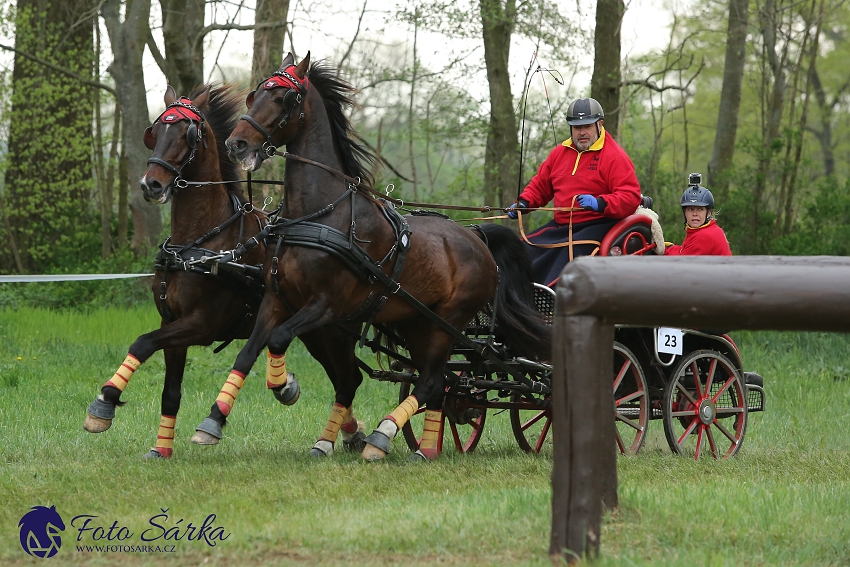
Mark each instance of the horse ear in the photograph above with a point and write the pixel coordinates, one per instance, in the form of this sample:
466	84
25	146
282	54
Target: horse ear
170	95
150	143
202	99
302	67
287	61
249	100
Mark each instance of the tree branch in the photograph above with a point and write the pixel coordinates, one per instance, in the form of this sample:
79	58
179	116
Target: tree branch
58	69
356	33
155	52
238	27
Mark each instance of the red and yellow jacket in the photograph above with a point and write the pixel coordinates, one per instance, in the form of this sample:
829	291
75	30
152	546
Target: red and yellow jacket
603	170
706	240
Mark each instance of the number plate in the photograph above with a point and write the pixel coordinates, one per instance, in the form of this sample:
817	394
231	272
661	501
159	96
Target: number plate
669	340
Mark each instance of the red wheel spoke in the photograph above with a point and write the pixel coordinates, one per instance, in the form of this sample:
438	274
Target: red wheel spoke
629	422
620	442
630	397
455	436
711	443
695	372
686	393
622	373
711	370
542	437
729	411
533	420
725	432
699	443
725	387
687	432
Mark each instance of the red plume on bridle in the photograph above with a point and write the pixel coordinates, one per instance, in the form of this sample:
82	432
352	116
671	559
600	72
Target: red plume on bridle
180	110
285	78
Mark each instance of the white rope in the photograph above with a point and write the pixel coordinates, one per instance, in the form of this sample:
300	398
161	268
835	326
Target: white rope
68	277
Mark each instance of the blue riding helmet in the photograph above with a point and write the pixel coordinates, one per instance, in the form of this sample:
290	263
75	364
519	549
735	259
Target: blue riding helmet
697	196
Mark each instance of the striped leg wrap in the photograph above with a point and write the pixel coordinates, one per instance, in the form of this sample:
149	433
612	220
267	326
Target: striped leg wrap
227	397
350	426
275	370
339	414
165	435
432	434
124	373
404	411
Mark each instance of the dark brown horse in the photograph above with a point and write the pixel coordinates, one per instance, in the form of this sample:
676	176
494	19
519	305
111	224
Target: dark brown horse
189	168
448	268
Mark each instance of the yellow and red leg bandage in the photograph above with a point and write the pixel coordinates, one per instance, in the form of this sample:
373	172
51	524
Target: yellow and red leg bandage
275	370
165	435
339	415
432	434
227	397
124	373
404	411
350	426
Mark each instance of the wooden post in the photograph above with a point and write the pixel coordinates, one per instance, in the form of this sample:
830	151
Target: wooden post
583	430
793	293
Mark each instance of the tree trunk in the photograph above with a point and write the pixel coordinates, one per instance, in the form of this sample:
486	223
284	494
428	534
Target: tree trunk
730	98
268	42
824	136
182	22
128	40
605	82
501	157
49	177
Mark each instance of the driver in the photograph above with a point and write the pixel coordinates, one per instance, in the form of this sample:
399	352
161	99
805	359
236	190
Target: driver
589	171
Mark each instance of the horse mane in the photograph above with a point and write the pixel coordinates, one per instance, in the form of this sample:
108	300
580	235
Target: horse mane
222	114
357	159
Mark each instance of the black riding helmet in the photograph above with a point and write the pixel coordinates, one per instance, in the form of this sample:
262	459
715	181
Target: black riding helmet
584	111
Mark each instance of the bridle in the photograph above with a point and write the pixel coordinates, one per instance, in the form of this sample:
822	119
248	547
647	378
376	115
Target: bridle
181	109
293	97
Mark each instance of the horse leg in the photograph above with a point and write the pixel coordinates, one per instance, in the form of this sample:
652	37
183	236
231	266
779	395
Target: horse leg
429	352
278	339
333	347
283	384
175	364
101	411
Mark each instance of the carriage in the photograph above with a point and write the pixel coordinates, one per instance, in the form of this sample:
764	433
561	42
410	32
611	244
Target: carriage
706	413
337	254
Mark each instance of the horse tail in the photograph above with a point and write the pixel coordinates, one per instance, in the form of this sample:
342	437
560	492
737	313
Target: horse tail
517	320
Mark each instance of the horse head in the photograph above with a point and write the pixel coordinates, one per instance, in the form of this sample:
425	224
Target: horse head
275	114
178	139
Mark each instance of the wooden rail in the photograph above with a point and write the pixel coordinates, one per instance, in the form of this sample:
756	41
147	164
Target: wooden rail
795	293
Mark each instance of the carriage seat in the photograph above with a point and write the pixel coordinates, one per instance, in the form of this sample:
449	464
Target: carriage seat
630	236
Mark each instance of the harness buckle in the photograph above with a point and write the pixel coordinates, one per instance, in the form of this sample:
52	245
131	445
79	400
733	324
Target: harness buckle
269	149
273	271
249	208
180	183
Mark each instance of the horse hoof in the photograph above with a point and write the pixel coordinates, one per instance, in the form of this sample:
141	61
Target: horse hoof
154	454
322	448
94	424
204	438
417	457
372	453
207	433
356	443
289	393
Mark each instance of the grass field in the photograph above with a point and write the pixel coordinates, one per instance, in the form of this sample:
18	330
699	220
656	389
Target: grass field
784	500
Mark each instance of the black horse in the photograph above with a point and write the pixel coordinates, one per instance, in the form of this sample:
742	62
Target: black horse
363	257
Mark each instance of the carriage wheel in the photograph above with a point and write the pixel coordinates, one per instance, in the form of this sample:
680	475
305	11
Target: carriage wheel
465	424
631	397
705	406
531	424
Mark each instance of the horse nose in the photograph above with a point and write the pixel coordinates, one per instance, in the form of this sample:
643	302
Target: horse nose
151	189
235	146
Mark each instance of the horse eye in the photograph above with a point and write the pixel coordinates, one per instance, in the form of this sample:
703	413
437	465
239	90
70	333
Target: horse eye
278	100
